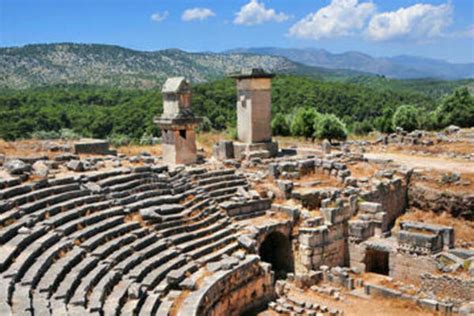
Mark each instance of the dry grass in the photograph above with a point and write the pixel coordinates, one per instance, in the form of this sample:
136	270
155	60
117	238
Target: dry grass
434	182
23	148
206	141
455	147
362	169
324	180
464	230
352	305
135	217
134	150
290	141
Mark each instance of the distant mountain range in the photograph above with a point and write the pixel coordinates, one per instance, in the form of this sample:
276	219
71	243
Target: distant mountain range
399	67
108	65
67	63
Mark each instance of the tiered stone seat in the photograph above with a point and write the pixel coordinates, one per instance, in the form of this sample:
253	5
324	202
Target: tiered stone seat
78	245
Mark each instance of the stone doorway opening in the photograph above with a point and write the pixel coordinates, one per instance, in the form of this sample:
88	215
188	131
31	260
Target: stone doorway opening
276	250
377	261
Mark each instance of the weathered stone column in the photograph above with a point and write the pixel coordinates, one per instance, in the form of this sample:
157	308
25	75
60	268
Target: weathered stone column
178	123
254	103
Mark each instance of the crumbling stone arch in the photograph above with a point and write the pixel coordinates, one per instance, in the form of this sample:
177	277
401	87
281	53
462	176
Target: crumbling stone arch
276	249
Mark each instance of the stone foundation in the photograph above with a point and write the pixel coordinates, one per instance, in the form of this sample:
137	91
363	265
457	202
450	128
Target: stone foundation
93	146
232	292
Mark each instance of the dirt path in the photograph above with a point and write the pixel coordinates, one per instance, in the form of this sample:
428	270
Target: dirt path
440	164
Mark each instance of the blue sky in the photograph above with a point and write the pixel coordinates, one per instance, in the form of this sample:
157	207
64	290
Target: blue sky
430	28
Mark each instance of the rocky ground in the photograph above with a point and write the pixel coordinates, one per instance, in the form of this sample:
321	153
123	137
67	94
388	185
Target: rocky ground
332	203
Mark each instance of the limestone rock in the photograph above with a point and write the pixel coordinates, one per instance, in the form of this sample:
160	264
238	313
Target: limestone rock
40	168
75	165
17	166
326	147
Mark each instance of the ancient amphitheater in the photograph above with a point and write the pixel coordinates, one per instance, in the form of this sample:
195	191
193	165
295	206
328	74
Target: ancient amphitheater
254	229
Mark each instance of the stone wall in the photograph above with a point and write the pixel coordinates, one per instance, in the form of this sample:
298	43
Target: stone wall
408	267
391	194
455	288
325	244
232	292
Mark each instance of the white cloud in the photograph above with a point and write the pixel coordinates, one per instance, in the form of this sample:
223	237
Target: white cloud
419	22
158	16
255	12
464	33
339	18
197	14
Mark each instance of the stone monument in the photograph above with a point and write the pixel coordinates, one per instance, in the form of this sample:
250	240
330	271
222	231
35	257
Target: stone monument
178	123
254	103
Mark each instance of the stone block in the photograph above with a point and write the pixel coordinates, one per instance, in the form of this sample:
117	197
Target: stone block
370	207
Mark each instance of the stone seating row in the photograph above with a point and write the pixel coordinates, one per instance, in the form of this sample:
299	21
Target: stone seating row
72	250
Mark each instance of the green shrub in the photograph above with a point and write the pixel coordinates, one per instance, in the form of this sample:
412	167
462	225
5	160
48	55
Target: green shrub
362	128
406	117
118	140
304	121
205	125
45	135
330	127
146	139
69	134
456	109
232	133
281	125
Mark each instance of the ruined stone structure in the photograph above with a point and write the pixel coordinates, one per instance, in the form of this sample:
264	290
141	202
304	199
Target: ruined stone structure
178	123
301	233
254	116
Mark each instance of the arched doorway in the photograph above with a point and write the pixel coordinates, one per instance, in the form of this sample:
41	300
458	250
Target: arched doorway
276	250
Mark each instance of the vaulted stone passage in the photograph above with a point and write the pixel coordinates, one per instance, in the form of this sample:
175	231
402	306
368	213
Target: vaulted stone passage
276	250
377	261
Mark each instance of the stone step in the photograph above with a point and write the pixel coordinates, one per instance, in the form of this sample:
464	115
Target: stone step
8	183
73	278
217	255
150	305
43	193
59	269
28	255
217	179
43	262
39	205
187	228
87	284
21	302
158	274
131	262
92	243
103	289
146	266
40	305
213	236
100	175
190	235
209	174
74	213
117	298
71	227
209	248
122	178
227	184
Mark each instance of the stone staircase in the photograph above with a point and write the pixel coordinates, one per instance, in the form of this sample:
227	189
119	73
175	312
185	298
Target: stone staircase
121	241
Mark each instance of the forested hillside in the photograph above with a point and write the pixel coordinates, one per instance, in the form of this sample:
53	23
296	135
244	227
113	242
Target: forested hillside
115	66
111	112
